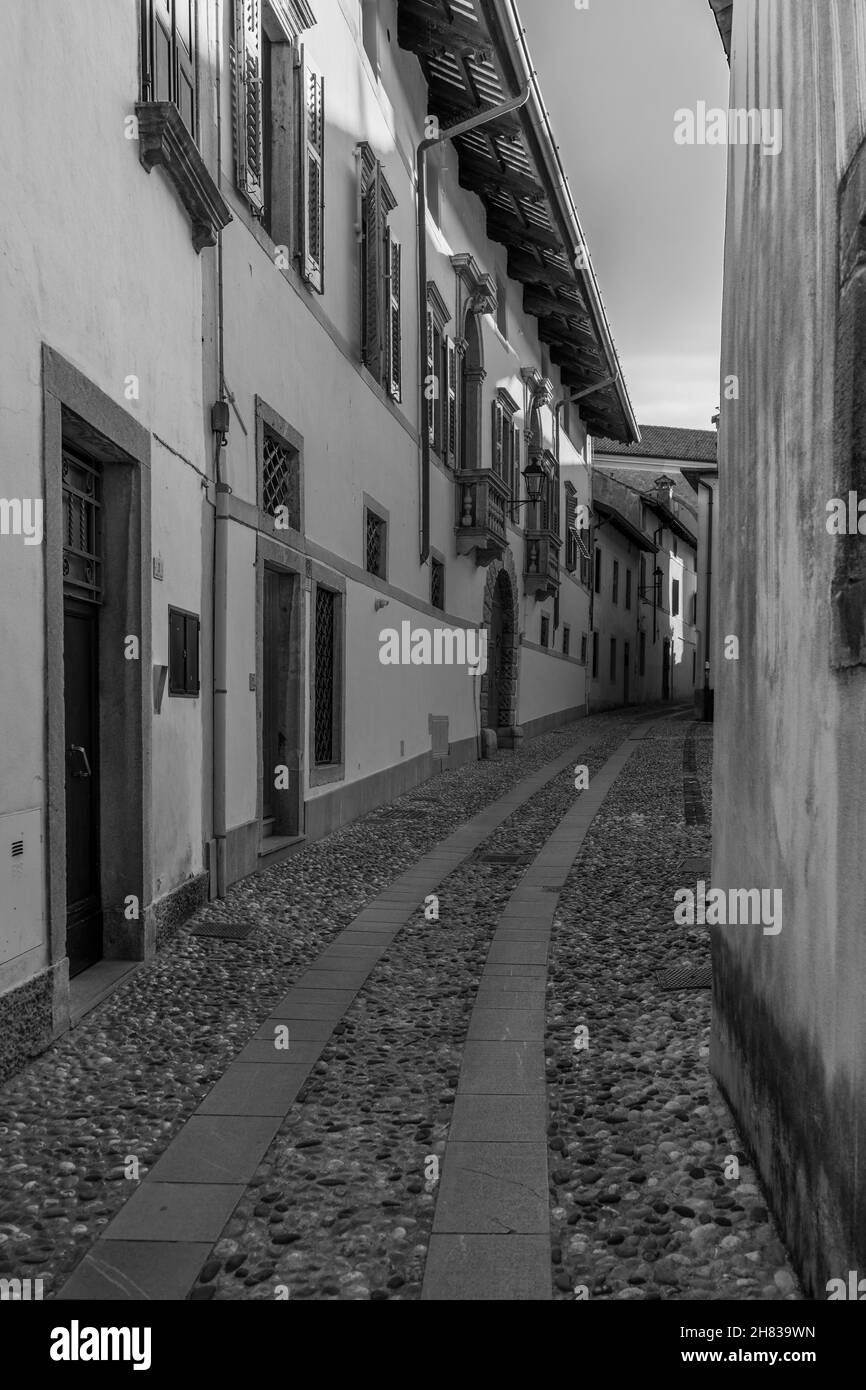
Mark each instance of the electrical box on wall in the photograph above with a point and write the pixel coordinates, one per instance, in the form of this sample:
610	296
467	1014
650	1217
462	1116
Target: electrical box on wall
21	918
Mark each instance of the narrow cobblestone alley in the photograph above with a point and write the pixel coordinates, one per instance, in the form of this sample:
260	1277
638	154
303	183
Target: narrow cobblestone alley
416	1135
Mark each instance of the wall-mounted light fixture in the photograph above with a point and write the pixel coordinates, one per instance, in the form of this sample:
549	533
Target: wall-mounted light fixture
535	478
380	604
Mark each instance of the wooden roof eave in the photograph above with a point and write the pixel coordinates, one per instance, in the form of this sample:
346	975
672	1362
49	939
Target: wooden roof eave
437	33
623	525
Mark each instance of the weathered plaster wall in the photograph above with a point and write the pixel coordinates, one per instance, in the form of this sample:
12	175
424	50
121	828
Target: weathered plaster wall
789	1044
98	263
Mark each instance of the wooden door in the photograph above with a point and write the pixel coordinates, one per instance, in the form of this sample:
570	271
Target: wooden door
81	706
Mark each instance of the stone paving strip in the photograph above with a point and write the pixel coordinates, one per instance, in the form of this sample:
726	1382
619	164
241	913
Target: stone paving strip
652	1193
491	1231
159	1239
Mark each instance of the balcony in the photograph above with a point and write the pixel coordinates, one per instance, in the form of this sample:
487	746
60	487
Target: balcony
482	497
541	564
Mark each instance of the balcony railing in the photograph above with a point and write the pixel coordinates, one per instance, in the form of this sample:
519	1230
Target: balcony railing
482	497
541	563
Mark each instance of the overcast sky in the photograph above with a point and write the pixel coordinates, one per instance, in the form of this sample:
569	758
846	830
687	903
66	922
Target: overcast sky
652	211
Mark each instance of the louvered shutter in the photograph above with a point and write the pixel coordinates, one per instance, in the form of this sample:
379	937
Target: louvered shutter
570	530
312	108
372	270
431	382
498	438
395	345
185	48
159	85
451	369
247	100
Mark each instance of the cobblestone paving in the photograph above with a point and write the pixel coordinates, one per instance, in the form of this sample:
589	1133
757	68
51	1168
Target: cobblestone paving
342	1205
122	1084
642	1145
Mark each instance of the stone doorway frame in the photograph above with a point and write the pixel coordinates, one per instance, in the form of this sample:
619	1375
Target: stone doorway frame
77	411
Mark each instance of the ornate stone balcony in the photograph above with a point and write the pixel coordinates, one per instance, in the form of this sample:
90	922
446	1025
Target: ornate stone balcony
541	564
482	497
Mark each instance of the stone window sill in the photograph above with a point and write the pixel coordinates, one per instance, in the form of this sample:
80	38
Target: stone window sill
164	139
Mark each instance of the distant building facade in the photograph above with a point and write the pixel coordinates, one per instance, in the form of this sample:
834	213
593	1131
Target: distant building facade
645	486
260	445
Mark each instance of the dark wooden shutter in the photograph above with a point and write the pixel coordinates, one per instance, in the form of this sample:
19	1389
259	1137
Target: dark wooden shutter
498	438
184	30
431	382
451	375
372	271
570	530
159	81
312	209
247	102
395	343
176	636
191	654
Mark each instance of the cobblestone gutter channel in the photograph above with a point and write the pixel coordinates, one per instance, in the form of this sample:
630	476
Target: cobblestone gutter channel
123	1083
652	1196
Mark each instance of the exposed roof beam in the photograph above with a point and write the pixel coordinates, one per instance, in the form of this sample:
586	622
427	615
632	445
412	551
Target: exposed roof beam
513	234
528	269
537	301
415	19
477	172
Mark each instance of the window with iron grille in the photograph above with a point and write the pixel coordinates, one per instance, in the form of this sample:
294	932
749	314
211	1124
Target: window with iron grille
616	581
82	528
566	640
545	630
324	678
376	543
183	638
675	599
583	648
628	588
168	50
280	479
437	584
598	570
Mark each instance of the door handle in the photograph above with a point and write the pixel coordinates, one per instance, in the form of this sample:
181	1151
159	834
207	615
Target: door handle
83	759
